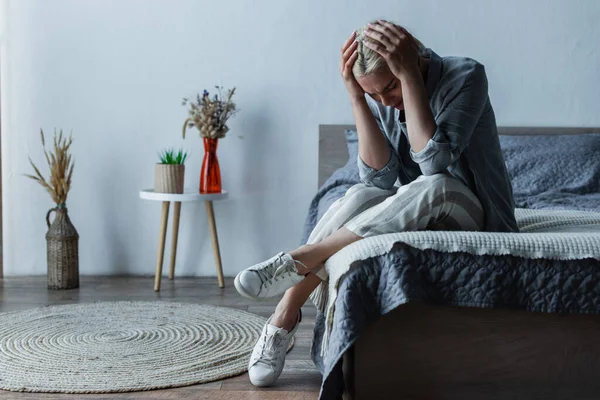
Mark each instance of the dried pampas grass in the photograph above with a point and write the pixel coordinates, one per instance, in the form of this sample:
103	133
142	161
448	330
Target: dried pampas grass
210	115
61	168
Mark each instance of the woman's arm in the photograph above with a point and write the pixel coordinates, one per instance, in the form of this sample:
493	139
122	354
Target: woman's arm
436	143
420	124
400	51
373	147
455	124
378	165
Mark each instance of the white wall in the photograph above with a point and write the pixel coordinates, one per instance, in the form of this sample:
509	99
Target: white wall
114	71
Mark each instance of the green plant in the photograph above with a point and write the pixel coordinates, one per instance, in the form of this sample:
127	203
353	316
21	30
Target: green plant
61	168
170	156
210	115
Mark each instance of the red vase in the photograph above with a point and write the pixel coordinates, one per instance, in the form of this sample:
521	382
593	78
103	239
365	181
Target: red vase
210	176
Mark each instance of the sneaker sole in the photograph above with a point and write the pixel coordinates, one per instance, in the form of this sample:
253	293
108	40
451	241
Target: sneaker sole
263	383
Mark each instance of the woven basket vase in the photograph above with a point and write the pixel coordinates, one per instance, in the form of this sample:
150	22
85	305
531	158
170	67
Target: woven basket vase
168	178
62	249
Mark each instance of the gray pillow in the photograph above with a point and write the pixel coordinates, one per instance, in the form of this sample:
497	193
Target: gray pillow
546	171
550	171
542	163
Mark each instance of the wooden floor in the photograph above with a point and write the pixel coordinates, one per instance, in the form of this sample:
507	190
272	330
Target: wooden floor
300	379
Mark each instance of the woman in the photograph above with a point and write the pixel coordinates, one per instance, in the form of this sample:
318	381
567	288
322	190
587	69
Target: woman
422	120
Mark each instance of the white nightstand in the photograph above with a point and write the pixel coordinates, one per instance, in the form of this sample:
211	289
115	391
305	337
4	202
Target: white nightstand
188	195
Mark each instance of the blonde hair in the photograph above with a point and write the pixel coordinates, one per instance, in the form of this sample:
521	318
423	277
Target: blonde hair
368	60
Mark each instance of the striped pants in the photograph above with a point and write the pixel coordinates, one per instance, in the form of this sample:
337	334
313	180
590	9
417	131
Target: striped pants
433	202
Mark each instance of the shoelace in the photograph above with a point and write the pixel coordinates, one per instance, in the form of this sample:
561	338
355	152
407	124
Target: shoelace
272	342
270	272
271	345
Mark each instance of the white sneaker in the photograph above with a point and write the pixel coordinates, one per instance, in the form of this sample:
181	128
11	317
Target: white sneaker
268	356
269	278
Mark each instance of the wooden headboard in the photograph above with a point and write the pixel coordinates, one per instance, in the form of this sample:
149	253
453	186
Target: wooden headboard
333	151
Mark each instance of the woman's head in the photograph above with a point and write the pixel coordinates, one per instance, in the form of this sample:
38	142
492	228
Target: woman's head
374	76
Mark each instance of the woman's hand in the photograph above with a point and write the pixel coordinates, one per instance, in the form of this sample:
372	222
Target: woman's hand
349	55
397	47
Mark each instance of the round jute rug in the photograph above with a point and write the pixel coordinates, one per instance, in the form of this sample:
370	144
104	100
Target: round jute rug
123	346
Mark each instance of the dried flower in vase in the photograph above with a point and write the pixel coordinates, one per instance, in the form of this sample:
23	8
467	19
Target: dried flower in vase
61	168
210	115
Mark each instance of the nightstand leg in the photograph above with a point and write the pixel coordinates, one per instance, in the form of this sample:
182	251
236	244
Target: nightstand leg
176	212
215	240
164	218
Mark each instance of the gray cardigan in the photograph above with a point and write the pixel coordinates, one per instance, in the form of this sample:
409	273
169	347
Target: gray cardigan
465	143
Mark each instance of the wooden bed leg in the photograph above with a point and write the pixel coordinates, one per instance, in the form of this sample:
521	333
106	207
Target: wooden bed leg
348	371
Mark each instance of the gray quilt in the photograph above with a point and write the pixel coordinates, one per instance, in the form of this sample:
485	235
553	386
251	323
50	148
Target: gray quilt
558	172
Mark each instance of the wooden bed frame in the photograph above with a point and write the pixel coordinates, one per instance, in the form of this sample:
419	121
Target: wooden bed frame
420	351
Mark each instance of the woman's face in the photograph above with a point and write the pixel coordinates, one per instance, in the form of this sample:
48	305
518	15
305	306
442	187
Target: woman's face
383	87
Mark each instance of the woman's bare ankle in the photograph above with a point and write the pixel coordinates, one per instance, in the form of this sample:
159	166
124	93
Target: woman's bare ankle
304	264
285	318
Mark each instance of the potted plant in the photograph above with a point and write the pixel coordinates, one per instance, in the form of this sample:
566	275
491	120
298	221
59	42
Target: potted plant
62	237
210	116
170	171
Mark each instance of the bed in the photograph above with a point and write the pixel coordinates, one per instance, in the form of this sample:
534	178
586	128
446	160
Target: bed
420	322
